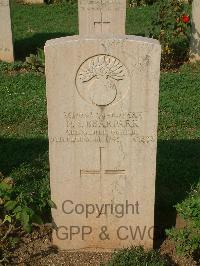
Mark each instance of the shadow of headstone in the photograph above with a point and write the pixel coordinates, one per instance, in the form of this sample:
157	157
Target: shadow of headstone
178	169
24	47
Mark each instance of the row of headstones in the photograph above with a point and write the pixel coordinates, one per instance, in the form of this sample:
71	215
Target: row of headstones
6	40
102	104
102	98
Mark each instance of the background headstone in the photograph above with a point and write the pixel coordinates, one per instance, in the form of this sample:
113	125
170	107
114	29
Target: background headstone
102	95
195	40
102	16
33	1
6	41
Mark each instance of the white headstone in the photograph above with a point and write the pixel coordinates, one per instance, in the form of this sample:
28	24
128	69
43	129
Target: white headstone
102	95
102	16
195	40
33	1
6	41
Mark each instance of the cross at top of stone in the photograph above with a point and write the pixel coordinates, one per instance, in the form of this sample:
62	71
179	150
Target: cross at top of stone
98	17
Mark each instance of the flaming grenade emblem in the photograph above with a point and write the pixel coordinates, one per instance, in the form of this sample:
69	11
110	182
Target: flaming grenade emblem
98	79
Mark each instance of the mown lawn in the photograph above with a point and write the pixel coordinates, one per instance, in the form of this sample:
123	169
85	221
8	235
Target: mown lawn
34	24
23	127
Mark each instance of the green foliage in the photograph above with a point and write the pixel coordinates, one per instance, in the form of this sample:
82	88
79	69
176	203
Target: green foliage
137	256
172	27
16	208
12	214
24	202
187	239
189	209
36	62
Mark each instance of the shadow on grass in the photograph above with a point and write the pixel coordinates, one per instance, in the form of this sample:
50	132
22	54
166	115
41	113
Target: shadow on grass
26	161
15	152
178	168
178	165
24	47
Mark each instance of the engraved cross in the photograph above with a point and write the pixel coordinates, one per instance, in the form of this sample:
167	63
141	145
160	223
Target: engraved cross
101	170
101	22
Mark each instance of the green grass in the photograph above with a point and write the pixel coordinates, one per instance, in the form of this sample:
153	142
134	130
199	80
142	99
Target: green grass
139	20
23	127
24	96
33	25
179	132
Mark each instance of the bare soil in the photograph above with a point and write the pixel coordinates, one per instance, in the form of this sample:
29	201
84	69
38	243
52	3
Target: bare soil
168	248
35	249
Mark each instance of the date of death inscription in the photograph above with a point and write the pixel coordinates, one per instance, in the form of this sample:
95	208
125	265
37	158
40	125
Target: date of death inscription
103	128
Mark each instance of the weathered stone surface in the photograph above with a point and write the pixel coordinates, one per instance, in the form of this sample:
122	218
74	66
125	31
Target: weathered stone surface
195	40
102	17
6	41
102	96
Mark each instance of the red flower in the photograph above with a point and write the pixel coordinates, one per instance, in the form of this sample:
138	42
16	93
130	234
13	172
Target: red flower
186	19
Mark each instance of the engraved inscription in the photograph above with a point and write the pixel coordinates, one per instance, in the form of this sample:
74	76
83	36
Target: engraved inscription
4	2
102	80
103	128
101	172
100	4
4	49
